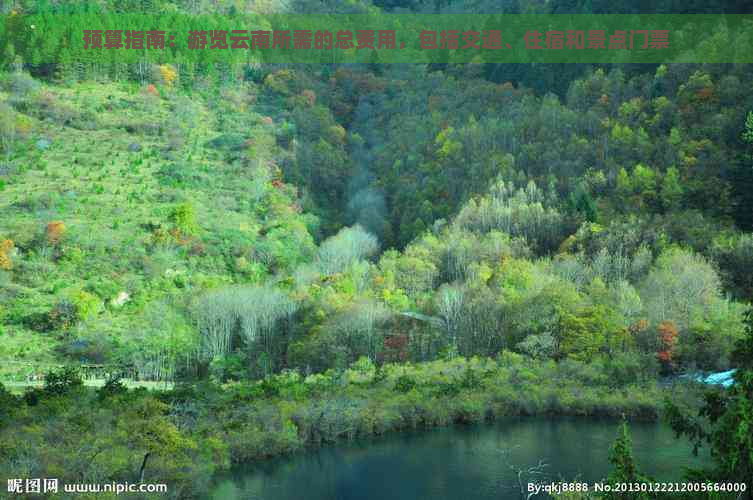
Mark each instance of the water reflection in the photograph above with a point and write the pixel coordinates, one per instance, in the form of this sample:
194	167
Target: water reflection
469	463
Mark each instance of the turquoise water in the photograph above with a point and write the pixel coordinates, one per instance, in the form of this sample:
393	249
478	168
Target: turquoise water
460	462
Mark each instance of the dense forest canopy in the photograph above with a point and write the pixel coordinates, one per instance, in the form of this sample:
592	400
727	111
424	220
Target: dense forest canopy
284	225
360	193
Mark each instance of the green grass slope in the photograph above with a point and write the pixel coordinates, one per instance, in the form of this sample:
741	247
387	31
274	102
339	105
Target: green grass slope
118	204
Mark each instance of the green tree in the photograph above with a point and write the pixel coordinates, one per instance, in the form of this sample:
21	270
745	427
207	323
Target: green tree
748	132
624	185
743	178
625	469
149	432
682	287
671	190
582	335
724	422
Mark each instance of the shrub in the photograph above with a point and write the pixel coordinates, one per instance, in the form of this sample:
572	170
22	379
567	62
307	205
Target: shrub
88	350
309	96
62	316
228	142
8	129
179	175
470	379
404	383
229	367
8	403
87	305
184	218
62	381
21	84
541	346
113	387
628	368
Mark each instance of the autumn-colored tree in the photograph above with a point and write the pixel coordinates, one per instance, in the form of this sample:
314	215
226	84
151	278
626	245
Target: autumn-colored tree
168	74
62	316
309	96
6	247
639	326
667	343
152	90
55	232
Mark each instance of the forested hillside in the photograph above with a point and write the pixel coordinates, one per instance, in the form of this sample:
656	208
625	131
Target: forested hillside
394	231
617	206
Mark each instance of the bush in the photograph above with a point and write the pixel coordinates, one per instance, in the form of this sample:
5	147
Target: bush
227	142
113	387
541	346
705	348
62	381
184	218
20	84
92	350
179	175
229	367
45	105
61	317
8	404
404	383
629	367
8	129
88	306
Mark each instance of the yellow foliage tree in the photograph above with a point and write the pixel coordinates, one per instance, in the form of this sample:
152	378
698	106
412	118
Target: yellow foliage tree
168	74
6	246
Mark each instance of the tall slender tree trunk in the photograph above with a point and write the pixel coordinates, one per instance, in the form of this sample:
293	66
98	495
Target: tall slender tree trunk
143	466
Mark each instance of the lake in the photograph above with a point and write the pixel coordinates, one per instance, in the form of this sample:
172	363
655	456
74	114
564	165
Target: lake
459	462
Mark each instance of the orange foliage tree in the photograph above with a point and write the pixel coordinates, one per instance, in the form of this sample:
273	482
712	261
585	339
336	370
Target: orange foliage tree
152	90
55	231
668	334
